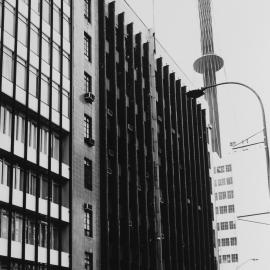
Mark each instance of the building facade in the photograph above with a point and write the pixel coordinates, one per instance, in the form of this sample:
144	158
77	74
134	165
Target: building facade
104	161
35	132
225	216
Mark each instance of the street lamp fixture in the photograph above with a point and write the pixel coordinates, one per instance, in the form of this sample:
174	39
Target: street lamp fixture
201	91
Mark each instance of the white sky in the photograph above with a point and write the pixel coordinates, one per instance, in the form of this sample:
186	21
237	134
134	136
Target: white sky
241	37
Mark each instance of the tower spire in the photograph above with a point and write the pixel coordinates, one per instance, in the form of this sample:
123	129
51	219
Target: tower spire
208	64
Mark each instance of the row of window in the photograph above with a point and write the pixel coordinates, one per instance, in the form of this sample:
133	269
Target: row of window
21	77
20	266
225	242
224	181
224	209
19	133
30	181
230	258
222	169
226	225
30	228
224	195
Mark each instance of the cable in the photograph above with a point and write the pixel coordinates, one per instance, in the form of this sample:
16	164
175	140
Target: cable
257	222
257	214
253	135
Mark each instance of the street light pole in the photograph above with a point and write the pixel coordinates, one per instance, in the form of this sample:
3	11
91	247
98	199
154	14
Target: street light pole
242	264
200	92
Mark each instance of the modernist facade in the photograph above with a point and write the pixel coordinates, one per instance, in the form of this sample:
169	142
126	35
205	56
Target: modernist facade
225	216
104	161
35	134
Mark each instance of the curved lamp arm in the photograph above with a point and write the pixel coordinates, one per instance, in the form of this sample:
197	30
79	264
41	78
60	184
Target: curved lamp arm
200	92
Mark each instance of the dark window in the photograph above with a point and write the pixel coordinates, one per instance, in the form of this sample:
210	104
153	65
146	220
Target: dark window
87	10
88	173
87	83
87	127
87	47
88	221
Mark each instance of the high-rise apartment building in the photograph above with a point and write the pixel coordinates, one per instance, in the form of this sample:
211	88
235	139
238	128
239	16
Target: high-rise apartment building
225	216
104	161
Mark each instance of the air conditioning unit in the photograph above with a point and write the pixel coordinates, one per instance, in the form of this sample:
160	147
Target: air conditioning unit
109	171
89	97
89	141
87	207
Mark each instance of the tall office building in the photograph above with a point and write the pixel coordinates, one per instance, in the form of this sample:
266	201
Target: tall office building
100	146
208	64
35	134
225	216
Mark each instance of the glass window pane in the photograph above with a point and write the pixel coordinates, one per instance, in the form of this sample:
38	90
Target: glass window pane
66	28
33	82
46	11
56	19
35	5
8	64
55	99
66	67
10	21
22	31
65	103
21	74
56	57
46	50
45	90
34	40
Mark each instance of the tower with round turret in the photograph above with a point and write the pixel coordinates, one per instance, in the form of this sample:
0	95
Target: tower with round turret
208	64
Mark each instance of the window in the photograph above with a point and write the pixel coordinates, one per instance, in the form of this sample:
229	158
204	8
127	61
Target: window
35	5
217	210
225	242
45	90
224	226
66	28
5	173
31	183
5	121
66	65
228	168
87	83
44	141
18	178
30	231
220	169
33	81
46	11
44	187
231	208
65	103
3	223
88	174
54	237
87	10
43	234
9	19
46	49
88	47
32	135
22	30
218	226
56	57
21	73
230	194
87	127
221	182
56	19
88	221
34	40
234	257
232	225
223	209
8	60
222	195
233	241
56	97
19	128
229	181
55	146
55	192
16	227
